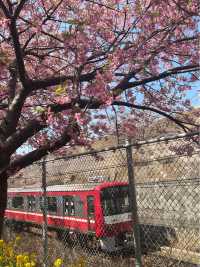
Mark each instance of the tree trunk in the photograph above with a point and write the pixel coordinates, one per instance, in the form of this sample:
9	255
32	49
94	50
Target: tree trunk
3	199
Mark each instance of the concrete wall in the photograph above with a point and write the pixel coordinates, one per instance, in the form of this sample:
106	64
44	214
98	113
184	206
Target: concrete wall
169	203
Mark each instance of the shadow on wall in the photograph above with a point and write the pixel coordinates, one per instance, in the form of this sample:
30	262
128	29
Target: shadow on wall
154	237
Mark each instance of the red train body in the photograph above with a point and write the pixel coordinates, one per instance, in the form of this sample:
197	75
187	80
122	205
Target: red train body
100	211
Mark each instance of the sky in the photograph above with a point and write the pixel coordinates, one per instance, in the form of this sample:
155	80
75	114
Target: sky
194	95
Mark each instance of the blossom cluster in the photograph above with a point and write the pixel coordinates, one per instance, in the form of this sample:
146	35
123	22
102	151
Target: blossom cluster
9	257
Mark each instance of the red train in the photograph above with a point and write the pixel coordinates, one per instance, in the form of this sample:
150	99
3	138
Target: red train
99	212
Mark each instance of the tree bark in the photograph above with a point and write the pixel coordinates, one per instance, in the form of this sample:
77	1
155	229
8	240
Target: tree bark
3	199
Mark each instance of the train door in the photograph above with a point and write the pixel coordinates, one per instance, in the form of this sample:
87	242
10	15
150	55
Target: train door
90	212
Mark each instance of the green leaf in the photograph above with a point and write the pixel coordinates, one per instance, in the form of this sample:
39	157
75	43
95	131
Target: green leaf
60	90
39	109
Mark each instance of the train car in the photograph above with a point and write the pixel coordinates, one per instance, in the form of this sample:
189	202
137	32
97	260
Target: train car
99	212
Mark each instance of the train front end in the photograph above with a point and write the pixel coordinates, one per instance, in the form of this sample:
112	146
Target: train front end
116	227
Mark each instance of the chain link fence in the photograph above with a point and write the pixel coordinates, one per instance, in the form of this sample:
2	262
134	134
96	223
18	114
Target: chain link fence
146	214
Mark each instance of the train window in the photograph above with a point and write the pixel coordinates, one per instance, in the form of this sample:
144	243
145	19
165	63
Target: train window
90	205
69	209
115	200
41	203
52	204
78	204
9	202
18	202
31	202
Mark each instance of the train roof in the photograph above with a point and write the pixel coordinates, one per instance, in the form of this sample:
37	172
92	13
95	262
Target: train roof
66	187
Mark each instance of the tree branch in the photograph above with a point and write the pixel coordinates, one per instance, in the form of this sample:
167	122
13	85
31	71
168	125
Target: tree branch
190	13
126	84
5	10
18	52
37	154
19	8
38	84
178	122
95	104
21	136
12	82
9	124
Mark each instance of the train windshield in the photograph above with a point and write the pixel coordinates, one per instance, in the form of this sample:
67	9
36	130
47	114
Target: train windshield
115	200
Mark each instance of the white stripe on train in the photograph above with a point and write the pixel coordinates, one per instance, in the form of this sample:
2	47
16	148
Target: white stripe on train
52	216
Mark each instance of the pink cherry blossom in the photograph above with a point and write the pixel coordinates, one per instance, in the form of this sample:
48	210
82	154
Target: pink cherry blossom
112	61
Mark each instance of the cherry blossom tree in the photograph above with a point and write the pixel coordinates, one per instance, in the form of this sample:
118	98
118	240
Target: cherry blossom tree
63	63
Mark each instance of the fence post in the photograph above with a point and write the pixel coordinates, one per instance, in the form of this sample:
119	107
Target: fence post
133	205
44	211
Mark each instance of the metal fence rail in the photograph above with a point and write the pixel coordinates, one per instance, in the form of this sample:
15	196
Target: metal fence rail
164	195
